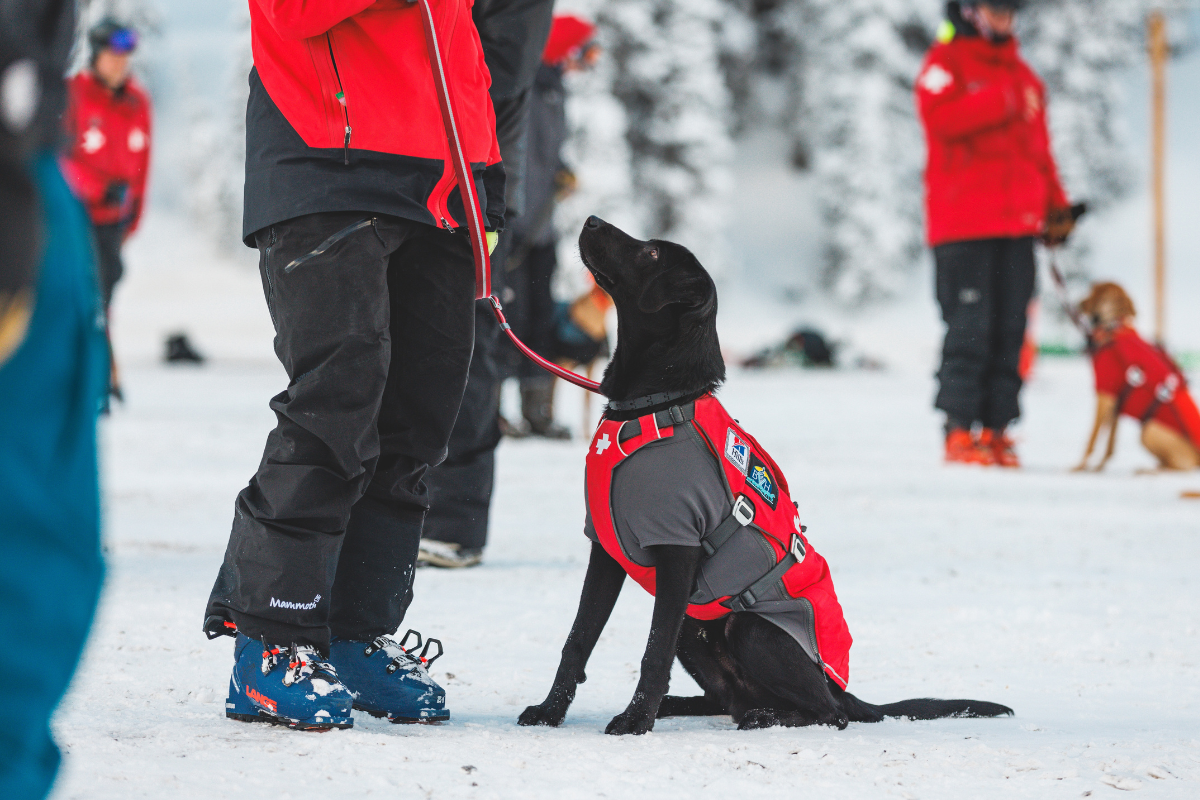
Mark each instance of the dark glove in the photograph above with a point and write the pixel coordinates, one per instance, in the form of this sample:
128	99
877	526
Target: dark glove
1060	222
114	193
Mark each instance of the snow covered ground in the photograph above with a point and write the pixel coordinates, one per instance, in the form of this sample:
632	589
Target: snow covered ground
1071	598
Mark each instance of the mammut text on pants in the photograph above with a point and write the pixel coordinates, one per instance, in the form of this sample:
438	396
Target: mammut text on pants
373	318
983	288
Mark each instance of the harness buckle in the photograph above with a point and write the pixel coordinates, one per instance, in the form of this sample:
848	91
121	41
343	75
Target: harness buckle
797	548
743	510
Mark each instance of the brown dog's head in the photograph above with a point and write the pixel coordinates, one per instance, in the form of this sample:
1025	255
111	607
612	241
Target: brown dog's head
1107	305
666	314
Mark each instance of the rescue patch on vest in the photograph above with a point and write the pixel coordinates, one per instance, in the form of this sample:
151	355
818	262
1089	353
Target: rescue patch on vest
759	479
737	451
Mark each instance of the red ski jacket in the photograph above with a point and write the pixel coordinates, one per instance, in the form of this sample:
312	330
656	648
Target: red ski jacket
354	75
108	145
990	172
1146	383
761	502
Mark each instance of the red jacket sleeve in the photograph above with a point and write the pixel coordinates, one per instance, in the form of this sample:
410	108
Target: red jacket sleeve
949	111
86	184
137	186
301	19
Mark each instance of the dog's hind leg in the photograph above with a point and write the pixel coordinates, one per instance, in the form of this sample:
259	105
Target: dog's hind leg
601	587
702	653
773	661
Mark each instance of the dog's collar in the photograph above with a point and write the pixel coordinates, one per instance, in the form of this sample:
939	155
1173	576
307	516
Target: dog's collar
648	400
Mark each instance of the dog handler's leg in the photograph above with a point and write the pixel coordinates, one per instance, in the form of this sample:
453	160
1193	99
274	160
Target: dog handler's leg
675	567
601	587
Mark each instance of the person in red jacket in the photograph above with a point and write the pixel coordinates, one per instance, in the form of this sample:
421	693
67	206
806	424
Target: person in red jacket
108	153
352	201
991	185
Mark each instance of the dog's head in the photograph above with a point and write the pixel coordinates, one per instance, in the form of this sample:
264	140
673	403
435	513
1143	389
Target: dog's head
666	313
1107	305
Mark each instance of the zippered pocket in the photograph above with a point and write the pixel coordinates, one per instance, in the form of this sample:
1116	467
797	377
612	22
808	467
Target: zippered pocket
341	98
330	242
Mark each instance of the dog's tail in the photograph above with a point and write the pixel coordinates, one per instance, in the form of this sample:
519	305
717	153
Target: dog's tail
919	708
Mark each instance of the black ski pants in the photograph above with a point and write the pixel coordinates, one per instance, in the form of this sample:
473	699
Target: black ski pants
374	319
109	266
983	287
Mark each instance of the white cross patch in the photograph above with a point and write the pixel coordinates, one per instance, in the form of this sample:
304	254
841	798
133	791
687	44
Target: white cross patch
602	444
936	79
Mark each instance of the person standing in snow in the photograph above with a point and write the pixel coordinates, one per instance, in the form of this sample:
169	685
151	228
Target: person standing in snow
513	33
535	241
52	369
991	187
108	156
352	201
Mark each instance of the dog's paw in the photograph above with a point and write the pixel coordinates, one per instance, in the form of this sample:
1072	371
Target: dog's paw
630	722
757	718
540	715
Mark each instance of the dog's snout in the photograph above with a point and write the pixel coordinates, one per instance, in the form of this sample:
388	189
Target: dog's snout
593	222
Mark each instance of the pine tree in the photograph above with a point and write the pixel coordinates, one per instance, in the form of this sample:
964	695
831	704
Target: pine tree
1078	48
217	148
866	144
667	75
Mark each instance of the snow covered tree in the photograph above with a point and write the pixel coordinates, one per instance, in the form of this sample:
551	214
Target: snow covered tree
866	144
217	143
1079	47
667	76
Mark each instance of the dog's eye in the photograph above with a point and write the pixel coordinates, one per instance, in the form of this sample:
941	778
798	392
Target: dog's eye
654	253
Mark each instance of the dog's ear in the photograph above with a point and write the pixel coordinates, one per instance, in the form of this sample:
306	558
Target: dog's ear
685	283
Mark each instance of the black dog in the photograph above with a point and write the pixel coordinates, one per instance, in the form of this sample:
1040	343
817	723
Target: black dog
748	667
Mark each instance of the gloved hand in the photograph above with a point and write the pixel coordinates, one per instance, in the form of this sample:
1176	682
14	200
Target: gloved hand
114	193
493	237
1060	222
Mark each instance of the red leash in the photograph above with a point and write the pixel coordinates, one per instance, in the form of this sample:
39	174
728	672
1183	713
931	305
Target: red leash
475	227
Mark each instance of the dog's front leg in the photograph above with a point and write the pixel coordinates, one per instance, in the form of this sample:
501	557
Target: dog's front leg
601	587
675	567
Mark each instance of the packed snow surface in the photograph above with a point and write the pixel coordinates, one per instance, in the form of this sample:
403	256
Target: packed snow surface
1071	598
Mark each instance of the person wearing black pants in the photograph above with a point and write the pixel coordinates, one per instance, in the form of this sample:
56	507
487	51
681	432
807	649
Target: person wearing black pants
991	187
983	288
375	335
512	33
368	274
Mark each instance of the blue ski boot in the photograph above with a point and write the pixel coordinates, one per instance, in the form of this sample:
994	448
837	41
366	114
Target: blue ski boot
290	686
391	680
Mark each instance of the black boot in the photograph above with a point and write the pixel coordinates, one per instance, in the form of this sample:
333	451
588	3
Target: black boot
180	349
537	407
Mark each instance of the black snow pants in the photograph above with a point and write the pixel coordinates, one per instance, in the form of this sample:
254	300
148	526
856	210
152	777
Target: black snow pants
533	307
983	287
374	318
109	266
460	489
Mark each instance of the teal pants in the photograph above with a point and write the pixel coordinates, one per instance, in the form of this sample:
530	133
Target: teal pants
50	563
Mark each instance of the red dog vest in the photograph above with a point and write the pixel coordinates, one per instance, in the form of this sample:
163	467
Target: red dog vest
761	501
1146	382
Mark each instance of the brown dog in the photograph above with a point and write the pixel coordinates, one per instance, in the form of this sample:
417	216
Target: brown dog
1139	380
